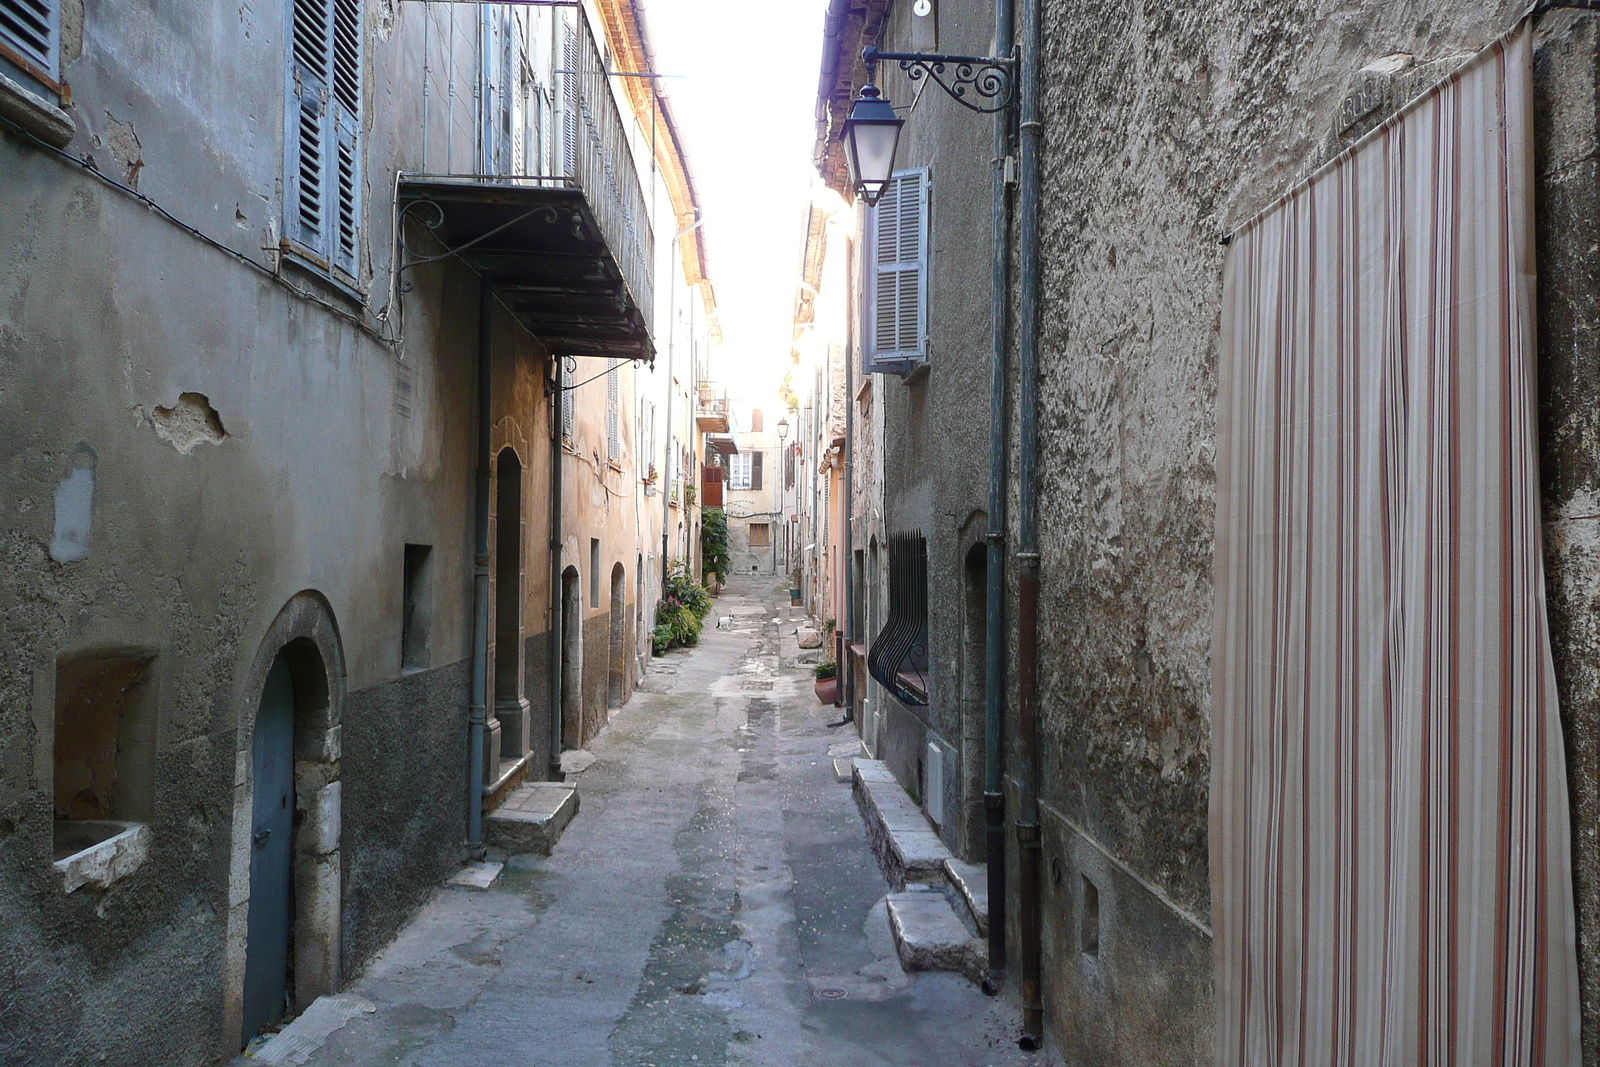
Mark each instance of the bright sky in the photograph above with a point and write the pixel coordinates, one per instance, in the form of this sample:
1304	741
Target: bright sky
746	110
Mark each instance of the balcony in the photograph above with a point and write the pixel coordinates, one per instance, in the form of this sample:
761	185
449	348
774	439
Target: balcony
712	413
552	212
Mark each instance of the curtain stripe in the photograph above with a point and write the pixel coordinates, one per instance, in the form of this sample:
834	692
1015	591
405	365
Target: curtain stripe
1389	829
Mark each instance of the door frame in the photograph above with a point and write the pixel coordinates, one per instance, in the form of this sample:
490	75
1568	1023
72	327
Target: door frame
305	632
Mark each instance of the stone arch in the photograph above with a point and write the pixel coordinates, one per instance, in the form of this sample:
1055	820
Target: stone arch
572	659
304	640
617	687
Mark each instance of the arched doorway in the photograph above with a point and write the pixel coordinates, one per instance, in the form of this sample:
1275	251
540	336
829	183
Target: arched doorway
571	659
617	691
510	709
284	942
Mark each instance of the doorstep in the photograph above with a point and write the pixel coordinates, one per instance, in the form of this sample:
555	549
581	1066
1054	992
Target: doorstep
533	817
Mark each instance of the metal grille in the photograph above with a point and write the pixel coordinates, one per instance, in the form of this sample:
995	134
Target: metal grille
899	657
32	29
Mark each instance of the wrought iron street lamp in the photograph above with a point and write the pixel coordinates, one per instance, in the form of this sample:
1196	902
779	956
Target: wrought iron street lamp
872	132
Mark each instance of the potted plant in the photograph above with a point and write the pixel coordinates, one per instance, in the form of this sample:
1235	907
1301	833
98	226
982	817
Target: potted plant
827	683
794	588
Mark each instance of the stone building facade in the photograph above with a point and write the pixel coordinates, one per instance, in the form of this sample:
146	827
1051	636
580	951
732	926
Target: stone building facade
252	481
1161	131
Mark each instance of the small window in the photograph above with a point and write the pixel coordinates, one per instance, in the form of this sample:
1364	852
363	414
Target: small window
760	534
1089	919
594	572
30	36
739	471
756	424
417	607
105	748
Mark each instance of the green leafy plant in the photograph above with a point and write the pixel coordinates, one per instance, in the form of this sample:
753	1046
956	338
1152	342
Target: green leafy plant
824	671
714	543
682	587
660	638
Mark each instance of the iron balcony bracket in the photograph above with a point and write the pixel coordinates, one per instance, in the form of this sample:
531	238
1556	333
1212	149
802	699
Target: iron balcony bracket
991	79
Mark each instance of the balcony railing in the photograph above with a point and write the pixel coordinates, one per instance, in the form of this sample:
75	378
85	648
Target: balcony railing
548	120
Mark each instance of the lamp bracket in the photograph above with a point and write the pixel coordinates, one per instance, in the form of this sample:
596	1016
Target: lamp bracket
990	79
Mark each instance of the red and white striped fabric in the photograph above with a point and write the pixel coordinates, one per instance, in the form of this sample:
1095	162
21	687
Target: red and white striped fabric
1390	848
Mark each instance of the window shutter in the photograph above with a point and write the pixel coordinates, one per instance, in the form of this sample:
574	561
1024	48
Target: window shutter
324	168
32	29
566	401
569	102
756	425
755	470
614	412
897	276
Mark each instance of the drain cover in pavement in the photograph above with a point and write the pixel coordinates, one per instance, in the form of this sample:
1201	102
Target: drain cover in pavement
830	994
753	686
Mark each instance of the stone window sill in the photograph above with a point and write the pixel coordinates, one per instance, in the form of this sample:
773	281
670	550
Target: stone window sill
35	114
106	861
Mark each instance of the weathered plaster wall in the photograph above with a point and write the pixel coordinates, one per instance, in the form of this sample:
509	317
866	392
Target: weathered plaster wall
936	461
1163	127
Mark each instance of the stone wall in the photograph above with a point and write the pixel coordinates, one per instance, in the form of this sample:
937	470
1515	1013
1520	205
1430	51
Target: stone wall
1163	127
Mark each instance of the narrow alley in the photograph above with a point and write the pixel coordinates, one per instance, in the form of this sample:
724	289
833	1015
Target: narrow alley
714	901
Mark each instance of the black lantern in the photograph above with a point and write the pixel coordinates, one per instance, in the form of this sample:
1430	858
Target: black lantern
871	135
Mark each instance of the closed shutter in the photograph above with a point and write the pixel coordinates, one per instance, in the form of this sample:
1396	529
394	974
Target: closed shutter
614	412
324	131
569	102
755	470
897	276
566	401
32	29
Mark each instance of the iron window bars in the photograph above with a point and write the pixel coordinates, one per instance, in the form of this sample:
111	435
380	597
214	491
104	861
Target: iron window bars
899	657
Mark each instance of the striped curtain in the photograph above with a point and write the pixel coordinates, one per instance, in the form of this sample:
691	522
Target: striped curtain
1390	849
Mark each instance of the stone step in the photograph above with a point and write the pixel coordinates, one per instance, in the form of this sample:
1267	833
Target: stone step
930	936
532	817
908	849
967	886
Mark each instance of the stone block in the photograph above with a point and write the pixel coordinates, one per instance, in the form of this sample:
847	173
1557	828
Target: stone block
967	886
105	862
930	936
319	833
533	818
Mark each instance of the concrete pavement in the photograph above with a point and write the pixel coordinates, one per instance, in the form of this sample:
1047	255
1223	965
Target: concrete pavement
714	902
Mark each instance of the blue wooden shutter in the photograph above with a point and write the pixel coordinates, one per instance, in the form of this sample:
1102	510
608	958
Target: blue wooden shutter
32	29
569	101
896	305
323	201
614	412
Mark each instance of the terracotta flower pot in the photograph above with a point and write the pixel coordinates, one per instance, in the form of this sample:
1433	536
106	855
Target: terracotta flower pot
827	689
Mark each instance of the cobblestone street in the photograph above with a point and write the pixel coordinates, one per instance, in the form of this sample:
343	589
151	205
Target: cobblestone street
714	901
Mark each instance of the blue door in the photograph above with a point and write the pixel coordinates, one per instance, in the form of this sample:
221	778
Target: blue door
266	968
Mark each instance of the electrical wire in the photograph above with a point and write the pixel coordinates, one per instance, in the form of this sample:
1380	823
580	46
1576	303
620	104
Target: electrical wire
270	272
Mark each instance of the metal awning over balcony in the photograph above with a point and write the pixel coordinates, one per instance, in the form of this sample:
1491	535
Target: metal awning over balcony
539	242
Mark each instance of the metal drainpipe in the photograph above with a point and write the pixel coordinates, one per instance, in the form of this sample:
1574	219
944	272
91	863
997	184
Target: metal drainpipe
1027	822
477	713
994	802
849	686
558	415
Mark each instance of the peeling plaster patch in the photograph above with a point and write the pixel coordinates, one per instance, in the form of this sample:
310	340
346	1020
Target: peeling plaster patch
189	423
71	31
123	141
74	509
383	19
